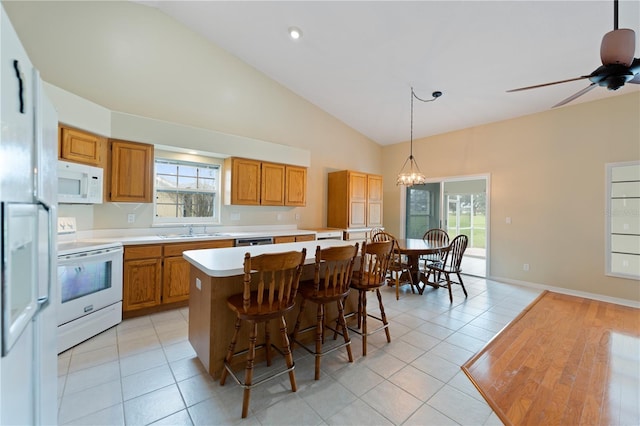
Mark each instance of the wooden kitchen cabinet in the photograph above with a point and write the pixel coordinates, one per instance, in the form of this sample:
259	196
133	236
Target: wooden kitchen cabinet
175	271
142	272
253	183
156	276
272	184
293	238
295	193
245	181
374	200
354	200
82	147
131	172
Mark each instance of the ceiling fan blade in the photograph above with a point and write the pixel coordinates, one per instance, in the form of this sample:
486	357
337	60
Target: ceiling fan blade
547	84
635	69
575	95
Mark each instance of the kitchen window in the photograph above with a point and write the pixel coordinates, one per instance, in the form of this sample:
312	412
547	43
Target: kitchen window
623	220
186	191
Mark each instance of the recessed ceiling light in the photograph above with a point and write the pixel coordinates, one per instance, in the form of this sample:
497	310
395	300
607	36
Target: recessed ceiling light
295	33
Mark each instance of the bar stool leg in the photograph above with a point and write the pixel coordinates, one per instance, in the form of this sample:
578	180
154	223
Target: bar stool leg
383	315
319	332
248	376
286	350
363	314
267	341
296	328
232	346
345	331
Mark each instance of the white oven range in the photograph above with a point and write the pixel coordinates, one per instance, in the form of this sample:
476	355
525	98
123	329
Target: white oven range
90	288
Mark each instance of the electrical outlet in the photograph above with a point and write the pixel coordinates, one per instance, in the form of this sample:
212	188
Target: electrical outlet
508	220
131	218
297	216
235	216
525	267
279	216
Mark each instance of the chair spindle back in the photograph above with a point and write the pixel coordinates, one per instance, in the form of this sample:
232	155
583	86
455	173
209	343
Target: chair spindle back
375	260
278	275
333	270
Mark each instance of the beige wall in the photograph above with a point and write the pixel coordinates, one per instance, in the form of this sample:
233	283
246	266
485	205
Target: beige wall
547	173
129	58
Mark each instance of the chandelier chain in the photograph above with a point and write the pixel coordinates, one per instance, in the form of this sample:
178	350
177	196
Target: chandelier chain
413	176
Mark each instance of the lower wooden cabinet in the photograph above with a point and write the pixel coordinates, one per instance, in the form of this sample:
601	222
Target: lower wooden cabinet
293	238
156	275
142	273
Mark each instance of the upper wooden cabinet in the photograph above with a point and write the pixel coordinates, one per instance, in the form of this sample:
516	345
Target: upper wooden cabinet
272	184
254	182
131	172
354	200
295	186
82	147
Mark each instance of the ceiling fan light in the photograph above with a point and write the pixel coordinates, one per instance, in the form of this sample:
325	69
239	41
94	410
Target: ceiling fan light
618	47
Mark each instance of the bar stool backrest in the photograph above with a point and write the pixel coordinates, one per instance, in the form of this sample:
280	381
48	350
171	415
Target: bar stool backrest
278	275
374	263
333	270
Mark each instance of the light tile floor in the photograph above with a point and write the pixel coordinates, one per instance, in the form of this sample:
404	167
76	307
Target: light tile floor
144	371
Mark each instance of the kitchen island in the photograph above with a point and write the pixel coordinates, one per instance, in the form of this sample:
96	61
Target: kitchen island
216	274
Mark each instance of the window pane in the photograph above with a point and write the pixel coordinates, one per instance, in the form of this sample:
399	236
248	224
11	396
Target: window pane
197	204
187	170
206	172
166	169
166	210
186	190
187	182
206	184
165	181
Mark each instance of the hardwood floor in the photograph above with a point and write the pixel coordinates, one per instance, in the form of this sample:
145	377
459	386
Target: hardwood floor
564	360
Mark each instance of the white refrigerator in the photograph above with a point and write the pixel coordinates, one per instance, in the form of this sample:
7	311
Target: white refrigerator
28	154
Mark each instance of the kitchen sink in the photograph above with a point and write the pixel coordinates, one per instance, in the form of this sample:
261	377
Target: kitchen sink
170	236
195	235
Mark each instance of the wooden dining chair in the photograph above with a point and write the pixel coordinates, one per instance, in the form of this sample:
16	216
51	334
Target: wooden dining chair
331	281
276	276
448	266
371	275
398	265
436	237
372	233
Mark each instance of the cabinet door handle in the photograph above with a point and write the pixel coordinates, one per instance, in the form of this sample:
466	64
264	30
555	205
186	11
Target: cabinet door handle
16	66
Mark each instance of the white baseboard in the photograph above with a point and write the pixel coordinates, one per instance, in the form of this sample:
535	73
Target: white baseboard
600	297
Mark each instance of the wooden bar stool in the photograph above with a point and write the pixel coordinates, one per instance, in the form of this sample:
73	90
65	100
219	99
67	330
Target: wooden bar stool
277	277
371	276
333	271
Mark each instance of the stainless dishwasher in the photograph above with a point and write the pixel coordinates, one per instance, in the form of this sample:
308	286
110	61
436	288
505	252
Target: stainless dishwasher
242	242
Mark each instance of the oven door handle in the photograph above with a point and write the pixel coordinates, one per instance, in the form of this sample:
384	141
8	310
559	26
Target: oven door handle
45	299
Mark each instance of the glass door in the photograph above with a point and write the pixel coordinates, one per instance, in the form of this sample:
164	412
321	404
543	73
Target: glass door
457	205
423	209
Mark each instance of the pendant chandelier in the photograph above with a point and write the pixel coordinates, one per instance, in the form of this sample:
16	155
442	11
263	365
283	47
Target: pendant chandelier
412	175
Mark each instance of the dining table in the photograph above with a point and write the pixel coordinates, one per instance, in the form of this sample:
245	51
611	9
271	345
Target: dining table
413	248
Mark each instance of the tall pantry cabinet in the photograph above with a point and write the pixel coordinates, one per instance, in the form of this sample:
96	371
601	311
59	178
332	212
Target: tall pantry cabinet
354	200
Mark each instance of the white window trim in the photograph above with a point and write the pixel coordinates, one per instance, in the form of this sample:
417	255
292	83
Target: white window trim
609	215
175	156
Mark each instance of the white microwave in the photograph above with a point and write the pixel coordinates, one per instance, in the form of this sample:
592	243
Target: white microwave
79	183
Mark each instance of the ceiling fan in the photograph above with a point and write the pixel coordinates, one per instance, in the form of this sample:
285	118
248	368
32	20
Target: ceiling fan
618	64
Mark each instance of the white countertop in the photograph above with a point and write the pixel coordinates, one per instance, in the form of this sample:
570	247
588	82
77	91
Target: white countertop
228	262
157	235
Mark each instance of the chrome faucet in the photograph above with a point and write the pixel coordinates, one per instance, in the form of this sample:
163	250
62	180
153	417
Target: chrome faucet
190	230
